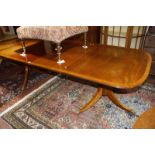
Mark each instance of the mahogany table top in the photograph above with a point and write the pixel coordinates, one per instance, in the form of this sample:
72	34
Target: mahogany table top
112	66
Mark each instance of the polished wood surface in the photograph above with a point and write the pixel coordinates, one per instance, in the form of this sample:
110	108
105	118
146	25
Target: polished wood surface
15	44
146	120
7	44
112	66
106	65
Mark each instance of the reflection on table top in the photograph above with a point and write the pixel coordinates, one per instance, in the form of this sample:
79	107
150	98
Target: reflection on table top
111	66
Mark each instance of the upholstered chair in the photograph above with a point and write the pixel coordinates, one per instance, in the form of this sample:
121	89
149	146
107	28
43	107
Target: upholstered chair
55	34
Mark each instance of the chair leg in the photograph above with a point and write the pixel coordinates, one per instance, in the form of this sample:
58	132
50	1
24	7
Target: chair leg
26	73
85	40
58	49
1	60
24	48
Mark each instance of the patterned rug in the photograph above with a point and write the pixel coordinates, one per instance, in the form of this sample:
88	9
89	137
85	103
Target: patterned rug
56	105
11	78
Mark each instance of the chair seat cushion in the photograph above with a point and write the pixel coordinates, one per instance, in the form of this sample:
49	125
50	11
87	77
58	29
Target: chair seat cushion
55	34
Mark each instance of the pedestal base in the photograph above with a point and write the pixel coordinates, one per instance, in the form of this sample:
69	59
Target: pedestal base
104	92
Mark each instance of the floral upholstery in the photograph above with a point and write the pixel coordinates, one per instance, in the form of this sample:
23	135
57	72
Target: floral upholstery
55	34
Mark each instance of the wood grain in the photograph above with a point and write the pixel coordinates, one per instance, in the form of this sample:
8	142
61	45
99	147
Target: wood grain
106	65
112	66
146	120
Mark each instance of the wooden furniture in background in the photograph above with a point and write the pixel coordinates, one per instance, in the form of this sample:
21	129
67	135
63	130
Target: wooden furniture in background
150	47
94	34
123	36
1	33
7	33
107	66
93	37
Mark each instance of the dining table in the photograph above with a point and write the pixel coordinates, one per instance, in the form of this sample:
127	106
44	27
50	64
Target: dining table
110	67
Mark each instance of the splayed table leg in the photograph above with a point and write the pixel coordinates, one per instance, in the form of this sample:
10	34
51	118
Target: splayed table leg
93	101
104	92
25	77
